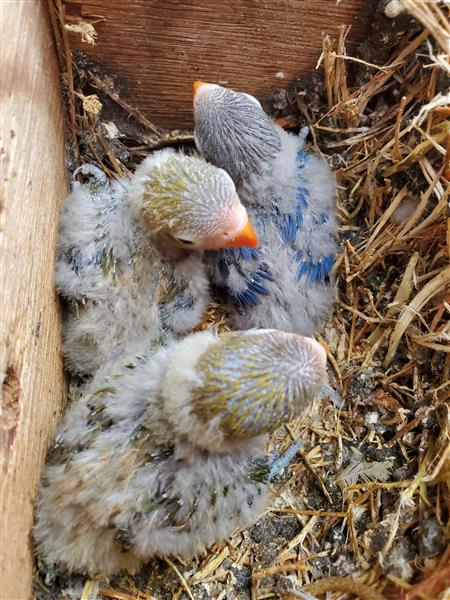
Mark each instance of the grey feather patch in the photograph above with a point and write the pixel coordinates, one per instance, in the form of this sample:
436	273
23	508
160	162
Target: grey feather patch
290	198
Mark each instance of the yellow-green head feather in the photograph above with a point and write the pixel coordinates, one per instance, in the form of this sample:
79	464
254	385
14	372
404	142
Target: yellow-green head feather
257	381
187	196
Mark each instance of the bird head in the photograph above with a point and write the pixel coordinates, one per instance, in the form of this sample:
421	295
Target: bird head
195	204
223	390
233	131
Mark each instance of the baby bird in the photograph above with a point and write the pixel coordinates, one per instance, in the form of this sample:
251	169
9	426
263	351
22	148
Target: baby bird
129	259
165	453
290	194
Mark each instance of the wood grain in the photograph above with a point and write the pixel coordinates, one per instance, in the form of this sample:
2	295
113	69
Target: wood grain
159	48
33	183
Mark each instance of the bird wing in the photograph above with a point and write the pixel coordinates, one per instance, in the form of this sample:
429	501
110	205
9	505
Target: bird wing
242	275
187	295
290	221
87	260
308	227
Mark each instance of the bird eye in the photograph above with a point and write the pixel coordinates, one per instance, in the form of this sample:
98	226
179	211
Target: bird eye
185	242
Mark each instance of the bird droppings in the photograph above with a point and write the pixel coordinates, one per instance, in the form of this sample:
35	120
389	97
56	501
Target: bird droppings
391	537
394	8
399	558
432	537
111	130
279	100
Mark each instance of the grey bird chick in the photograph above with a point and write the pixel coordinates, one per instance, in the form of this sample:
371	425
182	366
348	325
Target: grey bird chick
129	259
289	193
164	454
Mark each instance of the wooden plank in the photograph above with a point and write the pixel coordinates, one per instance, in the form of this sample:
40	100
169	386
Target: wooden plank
33	183
159	48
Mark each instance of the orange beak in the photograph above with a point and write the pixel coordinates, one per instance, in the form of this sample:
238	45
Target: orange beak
247	237
197	85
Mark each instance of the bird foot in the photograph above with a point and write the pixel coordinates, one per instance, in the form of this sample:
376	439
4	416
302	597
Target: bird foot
281	462
97	179
326	391
303	133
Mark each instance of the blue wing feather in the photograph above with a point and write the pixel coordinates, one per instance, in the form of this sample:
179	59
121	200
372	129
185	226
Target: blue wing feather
314	272
252	270
317	272
302	158
289	223
254	273
321	219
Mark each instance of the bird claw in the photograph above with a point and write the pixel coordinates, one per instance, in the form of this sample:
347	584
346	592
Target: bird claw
303	133
326	391
97	179
281	462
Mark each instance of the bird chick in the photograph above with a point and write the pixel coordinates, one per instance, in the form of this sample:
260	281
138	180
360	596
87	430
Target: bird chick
129	257
164	453
289	193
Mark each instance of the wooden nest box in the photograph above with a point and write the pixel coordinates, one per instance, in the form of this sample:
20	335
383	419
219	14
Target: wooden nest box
156	50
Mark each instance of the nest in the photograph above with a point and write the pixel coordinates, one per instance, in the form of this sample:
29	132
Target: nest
364	510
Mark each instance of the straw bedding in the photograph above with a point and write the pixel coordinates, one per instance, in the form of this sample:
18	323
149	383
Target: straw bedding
364	509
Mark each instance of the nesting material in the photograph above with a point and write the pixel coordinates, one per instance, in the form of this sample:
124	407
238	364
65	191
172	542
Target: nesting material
366	502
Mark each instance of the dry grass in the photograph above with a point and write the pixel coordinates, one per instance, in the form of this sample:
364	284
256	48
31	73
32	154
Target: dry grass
368	499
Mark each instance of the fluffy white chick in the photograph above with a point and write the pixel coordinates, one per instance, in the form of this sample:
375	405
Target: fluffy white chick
287	281
129	259
166	453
